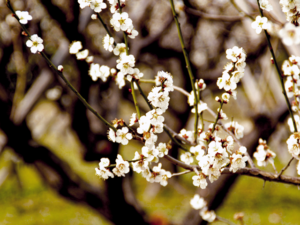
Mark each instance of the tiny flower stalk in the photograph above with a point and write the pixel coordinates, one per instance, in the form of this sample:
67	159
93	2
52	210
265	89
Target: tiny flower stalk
134	99
143	94
278	72
218	116
189	68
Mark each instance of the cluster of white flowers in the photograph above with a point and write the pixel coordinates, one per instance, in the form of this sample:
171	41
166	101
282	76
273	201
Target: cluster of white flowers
199	203
263	154
212	155
96	5
260	23
291	71
291	10
233	71
75	48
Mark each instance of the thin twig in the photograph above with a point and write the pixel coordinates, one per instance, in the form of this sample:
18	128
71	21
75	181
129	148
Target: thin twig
253	172
284	168
189	68
279	73
60	73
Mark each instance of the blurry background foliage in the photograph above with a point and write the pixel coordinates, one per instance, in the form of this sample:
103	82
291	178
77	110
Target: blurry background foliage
57	183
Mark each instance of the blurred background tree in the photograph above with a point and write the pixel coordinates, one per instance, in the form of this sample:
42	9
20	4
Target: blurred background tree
50	143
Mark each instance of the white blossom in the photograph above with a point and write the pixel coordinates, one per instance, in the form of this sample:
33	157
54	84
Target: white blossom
187	158
74	47
208	216
290	34
197	202
108	43
264	4
23	16
200	181
121	21
82	55
97	5
35	44
123	136
260	23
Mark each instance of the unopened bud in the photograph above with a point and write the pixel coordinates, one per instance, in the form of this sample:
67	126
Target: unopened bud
93	16
60	68
272	60
130	90
24	33
218	99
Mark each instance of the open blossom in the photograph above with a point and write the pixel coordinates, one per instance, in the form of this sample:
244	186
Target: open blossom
164	176
94	71
236	129
133	119
260	23
293	145
122	166
197	202
35	44
123	136
135	74
208	216
165	79
150	153
82	54
84	3
200	181
108	43
131	32
126	64
104	173
104	72
140	165
120	49
186	158
201	107
263	154
159	99
97	5
162	149
290	34
23	16
226	82
237	162
121	21
111	135
264	4
198	151
74	47
234	53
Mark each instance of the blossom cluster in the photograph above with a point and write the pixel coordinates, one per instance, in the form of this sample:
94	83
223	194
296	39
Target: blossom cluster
213	154
233	71
263	154
291	71
291	10
199	203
